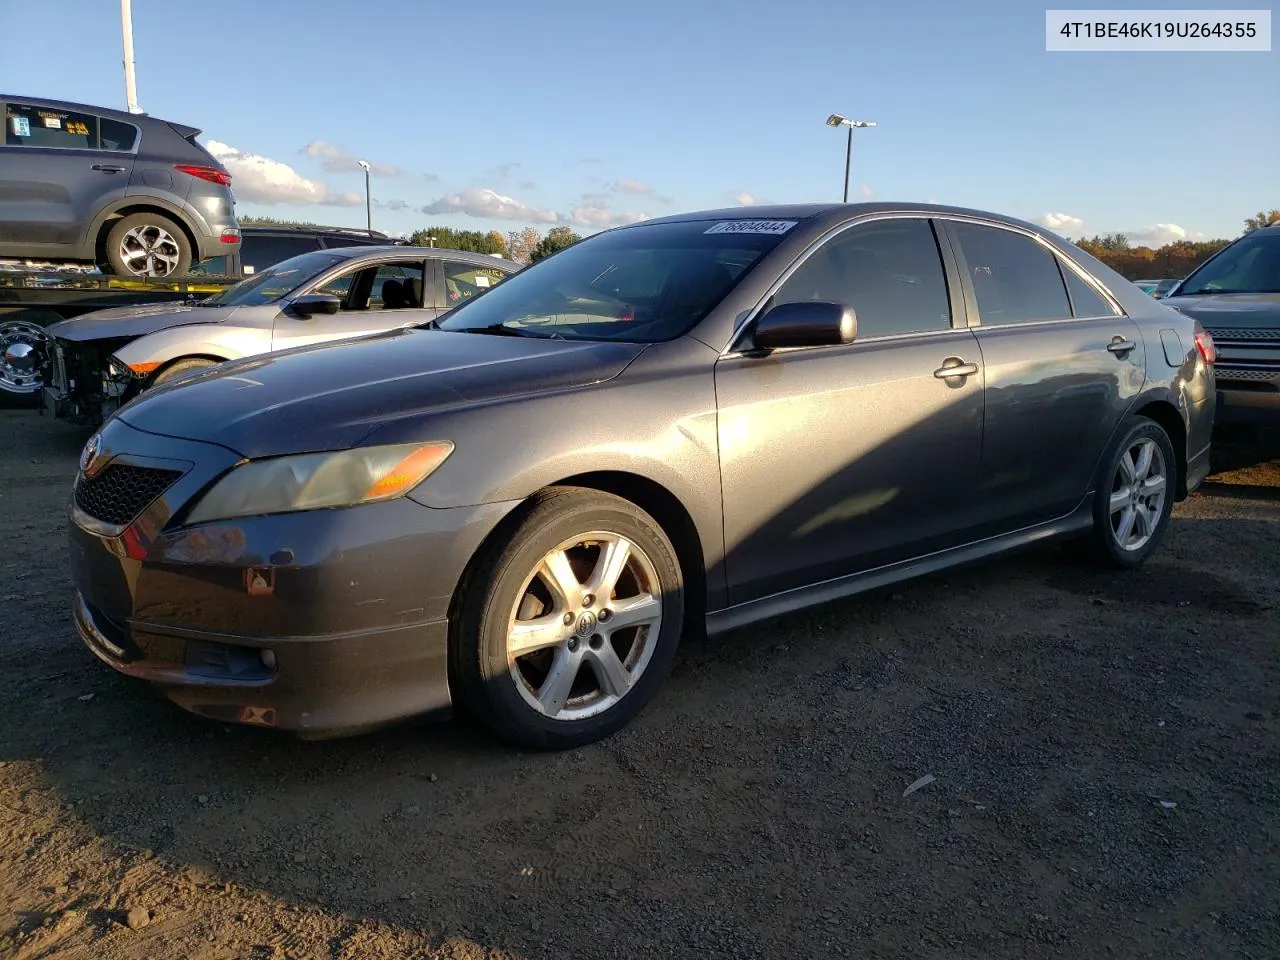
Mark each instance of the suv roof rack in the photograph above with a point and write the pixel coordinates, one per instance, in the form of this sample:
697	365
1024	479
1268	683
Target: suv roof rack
299	228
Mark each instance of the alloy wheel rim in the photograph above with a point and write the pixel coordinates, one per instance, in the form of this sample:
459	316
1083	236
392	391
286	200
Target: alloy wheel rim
20	345
149	251
1138	491
584	626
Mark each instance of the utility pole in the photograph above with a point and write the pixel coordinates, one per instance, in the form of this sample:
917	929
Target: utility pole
130	83
368	201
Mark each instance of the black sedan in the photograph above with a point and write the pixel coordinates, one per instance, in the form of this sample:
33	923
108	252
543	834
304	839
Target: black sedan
693	422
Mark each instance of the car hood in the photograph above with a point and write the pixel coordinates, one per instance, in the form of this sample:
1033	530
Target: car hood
136	321
1224	311
331	396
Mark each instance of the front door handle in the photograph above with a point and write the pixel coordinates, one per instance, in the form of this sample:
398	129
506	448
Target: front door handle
108	168
1119	345
955	367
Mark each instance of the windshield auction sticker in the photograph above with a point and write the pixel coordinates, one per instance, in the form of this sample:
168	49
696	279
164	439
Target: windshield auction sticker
752	226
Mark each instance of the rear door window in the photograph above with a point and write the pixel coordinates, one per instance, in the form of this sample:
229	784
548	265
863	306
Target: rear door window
31	126
1015	279
463	281
117	135
1085	300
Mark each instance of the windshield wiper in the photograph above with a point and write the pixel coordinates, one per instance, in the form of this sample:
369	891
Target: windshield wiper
501	329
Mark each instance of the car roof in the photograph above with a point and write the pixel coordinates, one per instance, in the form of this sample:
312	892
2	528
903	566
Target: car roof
321	230
831	213
87	108
368	252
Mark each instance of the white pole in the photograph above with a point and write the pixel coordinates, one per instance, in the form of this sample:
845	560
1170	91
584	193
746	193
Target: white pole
130	85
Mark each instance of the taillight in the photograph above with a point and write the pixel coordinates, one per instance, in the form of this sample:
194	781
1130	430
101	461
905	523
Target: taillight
1204	343
212	174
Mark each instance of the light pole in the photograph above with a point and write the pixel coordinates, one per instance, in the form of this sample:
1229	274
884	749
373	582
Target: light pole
130	82
835	120
368	202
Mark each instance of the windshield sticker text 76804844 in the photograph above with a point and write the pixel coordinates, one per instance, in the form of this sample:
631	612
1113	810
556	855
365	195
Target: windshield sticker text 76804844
751	226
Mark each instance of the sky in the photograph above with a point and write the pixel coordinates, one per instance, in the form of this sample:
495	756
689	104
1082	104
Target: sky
510	114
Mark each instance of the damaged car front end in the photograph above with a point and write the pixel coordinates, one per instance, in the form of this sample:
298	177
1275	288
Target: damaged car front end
84	383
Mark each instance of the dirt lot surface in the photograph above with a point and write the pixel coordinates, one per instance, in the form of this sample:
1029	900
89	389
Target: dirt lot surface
1105	749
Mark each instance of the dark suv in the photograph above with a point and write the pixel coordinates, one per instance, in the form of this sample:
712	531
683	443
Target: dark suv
133	194
1235	295
263	246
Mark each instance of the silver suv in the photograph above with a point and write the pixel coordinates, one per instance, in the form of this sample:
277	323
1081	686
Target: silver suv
137	196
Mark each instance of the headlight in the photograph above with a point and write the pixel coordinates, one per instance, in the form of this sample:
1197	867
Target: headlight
117	369
315	480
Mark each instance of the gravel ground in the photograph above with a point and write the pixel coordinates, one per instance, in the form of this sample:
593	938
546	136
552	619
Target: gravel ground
1104	749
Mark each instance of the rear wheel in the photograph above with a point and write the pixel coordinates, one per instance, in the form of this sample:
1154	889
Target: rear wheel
147	245
179	367
567	627
1134	496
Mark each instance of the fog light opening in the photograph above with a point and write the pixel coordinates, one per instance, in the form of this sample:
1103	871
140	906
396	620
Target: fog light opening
268	659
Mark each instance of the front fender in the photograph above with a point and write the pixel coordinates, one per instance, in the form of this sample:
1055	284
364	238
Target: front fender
157	349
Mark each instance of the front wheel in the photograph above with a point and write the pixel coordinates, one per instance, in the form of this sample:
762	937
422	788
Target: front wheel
179	367
1134	496
568	626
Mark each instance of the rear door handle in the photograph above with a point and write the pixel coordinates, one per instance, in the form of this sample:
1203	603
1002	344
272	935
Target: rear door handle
108	168
955	367
1120	345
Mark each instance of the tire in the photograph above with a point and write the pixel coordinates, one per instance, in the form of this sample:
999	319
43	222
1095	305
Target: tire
1151	519
160	247
179	367
510	581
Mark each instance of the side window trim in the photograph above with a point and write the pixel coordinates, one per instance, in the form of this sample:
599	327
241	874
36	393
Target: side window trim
734	346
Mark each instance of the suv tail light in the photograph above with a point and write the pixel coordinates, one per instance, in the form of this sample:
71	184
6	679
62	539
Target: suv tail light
1204	343
212	174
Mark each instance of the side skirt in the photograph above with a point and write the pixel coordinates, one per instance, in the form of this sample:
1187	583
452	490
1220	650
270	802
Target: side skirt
789	601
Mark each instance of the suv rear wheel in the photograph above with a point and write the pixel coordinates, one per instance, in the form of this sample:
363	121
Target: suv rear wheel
147	245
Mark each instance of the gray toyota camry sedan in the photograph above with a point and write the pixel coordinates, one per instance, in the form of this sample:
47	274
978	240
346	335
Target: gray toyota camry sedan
689	423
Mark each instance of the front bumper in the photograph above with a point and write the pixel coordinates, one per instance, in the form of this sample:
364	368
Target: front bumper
350	606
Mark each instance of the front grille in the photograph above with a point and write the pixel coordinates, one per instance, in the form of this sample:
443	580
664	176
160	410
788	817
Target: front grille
121	492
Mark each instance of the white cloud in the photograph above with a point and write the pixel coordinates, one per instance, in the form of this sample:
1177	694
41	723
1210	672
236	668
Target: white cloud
1159	234
489	204
597	216
392	204
336	160
639	188
1061	222
866	192
745	199
262	180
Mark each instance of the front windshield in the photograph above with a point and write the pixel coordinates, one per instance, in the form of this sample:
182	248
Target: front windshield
274	282
1250	265
640	284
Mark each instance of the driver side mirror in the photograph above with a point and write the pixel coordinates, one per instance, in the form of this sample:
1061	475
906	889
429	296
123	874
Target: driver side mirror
311	304
805	323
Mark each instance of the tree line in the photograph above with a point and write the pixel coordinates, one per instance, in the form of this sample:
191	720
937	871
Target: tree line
1173	260
523	246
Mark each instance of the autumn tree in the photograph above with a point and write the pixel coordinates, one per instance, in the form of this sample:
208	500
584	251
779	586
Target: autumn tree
1261	220
522	243
557	239
498	240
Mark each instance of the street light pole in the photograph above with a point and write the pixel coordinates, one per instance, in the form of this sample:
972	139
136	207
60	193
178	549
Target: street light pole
130	82
835	120
368	200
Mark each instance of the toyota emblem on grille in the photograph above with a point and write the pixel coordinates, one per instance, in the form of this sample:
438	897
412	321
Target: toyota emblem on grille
89	456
